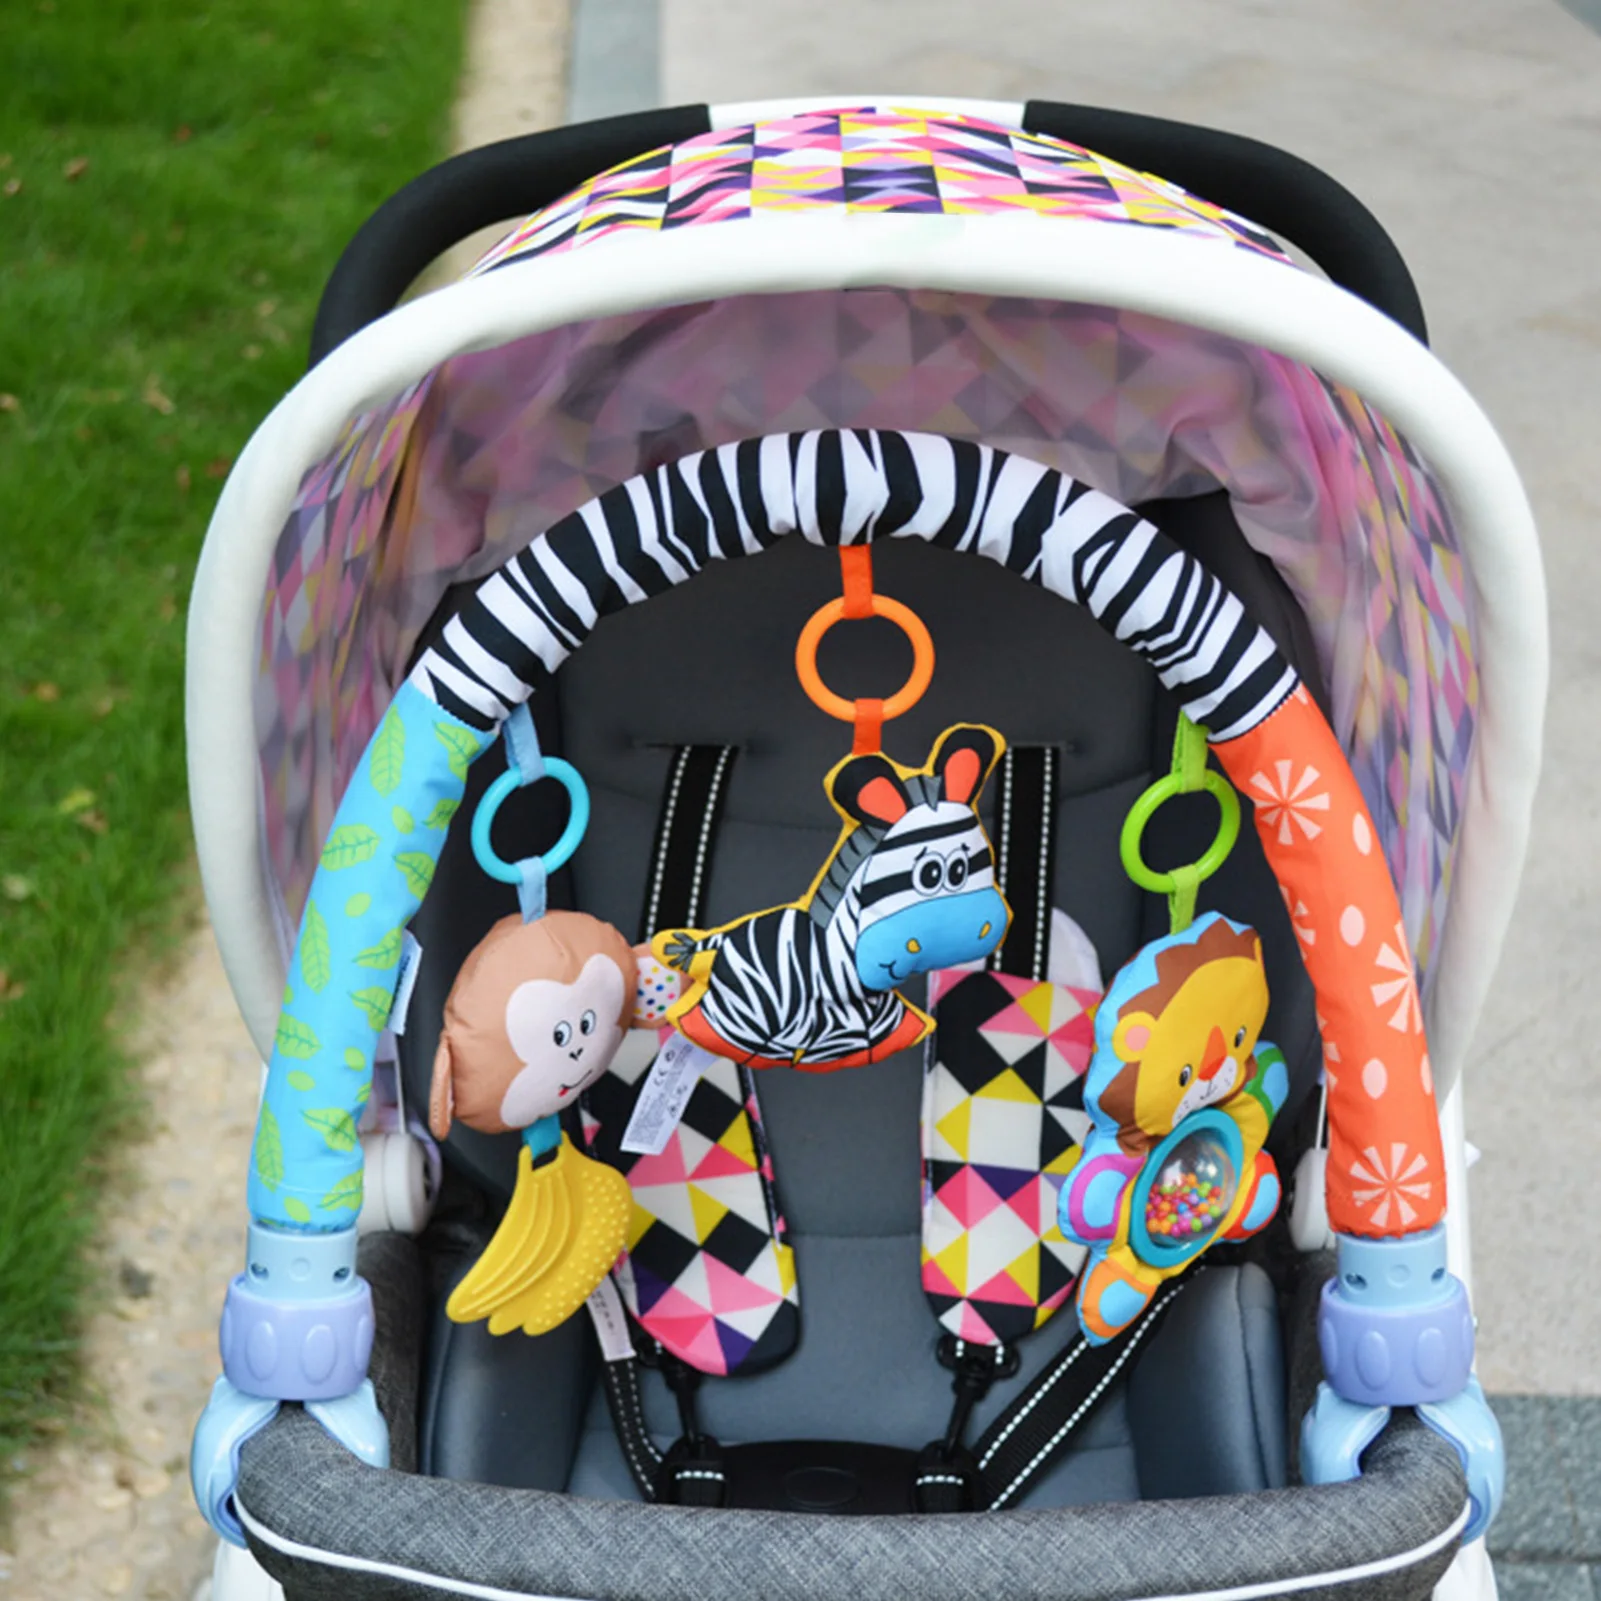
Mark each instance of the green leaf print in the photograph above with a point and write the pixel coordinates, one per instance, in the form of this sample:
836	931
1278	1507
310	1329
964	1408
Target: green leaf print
418	866
347	846
388	753
402	819
462	744
301	1081
289	995
357	904
316	958
269	1150
346	1194
354	1059
298	1211
441	814
386	953
296	1039
362	1093
375	1002
335	1124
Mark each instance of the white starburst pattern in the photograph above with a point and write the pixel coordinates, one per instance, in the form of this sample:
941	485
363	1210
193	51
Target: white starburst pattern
1397	984
1301	922
1387	1185
1285	798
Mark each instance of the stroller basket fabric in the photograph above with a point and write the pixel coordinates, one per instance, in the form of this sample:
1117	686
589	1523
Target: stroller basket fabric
475	502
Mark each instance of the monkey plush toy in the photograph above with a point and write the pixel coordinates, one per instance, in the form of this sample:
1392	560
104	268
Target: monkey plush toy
535	1016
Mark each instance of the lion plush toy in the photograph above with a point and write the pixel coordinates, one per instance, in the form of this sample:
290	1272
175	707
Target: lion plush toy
1180	1093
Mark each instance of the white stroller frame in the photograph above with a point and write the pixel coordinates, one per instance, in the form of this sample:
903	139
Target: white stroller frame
1298	315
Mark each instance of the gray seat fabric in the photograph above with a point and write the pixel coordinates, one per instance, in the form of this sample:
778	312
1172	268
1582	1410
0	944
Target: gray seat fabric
712	663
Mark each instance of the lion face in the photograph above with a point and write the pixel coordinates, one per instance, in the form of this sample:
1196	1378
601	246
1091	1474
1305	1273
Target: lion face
1194	1052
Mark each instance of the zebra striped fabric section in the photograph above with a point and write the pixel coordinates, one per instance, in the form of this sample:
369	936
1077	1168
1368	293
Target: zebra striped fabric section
835	487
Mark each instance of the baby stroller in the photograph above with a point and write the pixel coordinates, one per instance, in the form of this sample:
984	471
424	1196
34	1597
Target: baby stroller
984	326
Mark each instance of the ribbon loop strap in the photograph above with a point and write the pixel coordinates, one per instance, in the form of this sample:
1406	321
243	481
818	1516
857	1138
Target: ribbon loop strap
526	765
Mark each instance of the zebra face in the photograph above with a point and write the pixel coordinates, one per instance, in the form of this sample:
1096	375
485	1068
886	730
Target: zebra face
927	896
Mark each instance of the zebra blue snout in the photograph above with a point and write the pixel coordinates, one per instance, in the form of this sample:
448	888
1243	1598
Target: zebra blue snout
944	932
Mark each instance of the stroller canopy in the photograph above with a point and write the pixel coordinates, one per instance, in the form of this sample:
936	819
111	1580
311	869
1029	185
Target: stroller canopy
883	268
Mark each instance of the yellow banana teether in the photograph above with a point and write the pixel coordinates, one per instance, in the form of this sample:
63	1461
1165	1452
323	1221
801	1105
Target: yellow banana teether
566	1224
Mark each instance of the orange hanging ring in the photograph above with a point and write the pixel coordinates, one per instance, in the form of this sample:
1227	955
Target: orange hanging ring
904	618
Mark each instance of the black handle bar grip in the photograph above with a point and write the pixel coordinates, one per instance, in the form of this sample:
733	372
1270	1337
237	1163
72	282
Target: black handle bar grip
1284	194
451	202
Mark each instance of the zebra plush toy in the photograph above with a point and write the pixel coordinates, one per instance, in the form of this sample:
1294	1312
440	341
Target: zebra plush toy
909	887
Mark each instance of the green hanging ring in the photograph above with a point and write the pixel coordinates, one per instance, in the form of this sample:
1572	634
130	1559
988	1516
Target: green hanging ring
1140	813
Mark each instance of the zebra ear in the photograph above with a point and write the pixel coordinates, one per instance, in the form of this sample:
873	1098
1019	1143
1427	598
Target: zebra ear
963	758
869	789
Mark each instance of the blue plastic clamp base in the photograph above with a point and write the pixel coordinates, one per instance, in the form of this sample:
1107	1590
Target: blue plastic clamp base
297	1324
232	1417
1395	1329
1468	1423
1394	1325
1334	1434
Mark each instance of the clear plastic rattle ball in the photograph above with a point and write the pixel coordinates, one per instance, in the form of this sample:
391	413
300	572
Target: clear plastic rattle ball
1192	1192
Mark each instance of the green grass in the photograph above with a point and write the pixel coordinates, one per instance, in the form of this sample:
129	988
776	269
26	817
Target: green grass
176	181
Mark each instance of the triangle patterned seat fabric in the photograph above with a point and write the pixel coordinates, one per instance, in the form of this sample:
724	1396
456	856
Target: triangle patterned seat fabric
1005	1115
706	1270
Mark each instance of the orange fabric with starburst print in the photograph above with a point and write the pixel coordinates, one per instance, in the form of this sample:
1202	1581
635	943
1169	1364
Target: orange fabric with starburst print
1386	1169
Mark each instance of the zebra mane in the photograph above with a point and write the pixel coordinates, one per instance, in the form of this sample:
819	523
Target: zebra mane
858	845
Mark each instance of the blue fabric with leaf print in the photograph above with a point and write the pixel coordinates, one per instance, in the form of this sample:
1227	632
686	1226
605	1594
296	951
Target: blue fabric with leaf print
306	1166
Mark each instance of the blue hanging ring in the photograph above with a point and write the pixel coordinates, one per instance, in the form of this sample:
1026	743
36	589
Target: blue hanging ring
561	852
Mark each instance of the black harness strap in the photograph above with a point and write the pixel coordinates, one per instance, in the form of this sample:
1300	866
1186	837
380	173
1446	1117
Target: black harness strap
692	808
1025	846
1033	1432
691	1472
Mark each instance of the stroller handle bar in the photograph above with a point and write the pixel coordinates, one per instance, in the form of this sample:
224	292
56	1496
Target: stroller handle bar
513	178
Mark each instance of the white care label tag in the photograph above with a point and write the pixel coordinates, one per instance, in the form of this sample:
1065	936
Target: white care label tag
410	962
611	1322
673	1077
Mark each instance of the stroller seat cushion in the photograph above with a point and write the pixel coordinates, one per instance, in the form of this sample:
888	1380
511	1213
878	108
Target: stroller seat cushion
845	1145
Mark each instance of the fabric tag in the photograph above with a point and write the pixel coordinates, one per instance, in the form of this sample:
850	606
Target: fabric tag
661	1102
611	1321
410	962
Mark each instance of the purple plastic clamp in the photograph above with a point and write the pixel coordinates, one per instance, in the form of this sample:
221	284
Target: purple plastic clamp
298	1323
1394	1325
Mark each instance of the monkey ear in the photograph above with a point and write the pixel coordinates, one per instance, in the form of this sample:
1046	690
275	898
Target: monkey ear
442	1092
869	789
1132	1035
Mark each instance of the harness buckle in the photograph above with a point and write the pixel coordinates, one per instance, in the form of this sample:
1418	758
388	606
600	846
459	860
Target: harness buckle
976	1363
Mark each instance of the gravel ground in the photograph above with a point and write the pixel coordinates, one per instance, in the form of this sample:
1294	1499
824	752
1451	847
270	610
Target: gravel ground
106	1510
